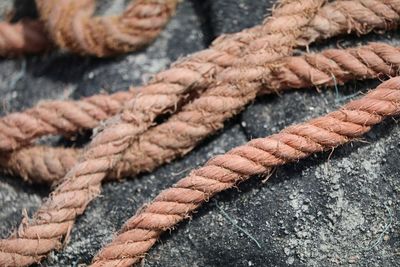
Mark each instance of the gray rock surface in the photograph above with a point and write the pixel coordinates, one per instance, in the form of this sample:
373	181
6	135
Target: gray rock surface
338	208
233	16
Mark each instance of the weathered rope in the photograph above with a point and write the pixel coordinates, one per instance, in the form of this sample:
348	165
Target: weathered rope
53	117
176	136
72	26
339	17
40	164
258	156
198	71
206	114
82	183
26	36
365	16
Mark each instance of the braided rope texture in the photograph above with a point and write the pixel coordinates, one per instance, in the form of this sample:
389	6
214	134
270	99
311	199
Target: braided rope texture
73	27
199	70
178	135
256	157
26	36
55	218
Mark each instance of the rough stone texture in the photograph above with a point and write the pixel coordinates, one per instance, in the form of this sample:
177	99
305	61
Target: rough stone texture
232	16
338	208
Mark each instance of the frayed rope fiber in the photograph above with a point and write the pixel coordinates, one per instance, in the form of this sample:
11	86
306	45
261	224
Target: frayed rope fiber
37	237
70	24
177	136
256	157
195	72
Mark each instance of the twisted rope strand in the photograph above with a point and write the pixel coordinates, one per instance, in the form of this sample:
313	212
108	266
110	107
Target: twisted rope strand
206	114
258	156
26	36
83	182
198	71
40	164
53	117
176	136
66	198
336	18
72	26
365	16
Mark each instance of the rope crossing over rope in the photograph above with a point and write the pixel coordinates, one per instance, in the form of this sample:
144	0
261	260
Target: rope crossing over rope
176	136
196	72
217	82
55	218
258	156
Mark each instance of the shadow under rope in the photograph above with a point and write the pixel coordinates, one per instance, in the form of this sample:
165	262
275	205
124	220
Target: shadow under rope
391	37
24	9
285	173
204	12
379	132
66	67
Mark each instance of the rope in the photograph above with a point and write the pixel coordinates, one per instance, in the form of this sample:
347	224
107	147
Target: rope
72	26
206	114
336	18
365	16
53	117
40	164
256	157
199	70
183	131
26	36
37	237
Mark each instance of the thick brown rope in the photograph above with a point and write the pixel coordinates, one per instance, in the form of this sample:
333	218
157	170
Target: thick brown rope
258	156
53	117
177	136
72	26
366	16
206	114
198	71
339	17
40	164
26	36
82	183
